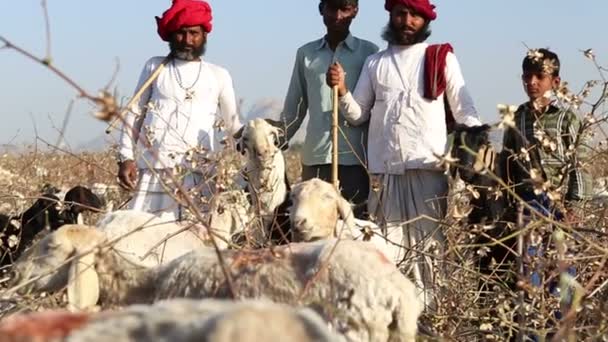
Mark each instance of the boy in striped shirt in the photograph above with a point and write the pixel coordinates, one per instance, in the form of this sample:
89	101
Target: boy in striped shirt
545	146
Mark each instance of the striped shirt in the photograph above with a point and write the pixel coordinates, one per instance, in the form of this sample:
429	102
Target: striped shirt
550	137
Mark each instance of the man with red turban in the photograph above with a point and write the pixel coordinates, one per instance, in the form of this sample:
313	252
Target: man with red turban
401	93
180	114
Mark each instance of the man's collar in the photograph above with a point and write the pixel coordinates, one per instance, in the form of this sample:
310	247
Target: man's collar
551	108
349	41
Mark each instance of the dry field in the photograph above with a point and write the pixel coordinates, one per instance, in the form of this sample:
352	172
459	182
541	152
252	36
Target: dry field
464	313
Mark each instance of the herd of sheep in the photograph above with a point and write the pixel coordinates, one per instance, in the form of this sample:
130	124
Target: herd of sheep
311	268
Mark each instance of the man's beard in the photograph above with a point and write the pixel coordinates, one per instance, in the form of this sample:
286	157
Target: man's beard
397	37
185	54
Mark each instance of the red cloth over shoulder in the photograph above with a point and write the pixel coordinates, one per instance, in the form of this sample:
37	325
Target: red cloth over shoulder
435	80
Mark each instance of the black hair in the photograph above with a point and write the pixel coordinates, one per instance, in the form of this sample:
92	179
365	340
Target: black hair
541	60
338	3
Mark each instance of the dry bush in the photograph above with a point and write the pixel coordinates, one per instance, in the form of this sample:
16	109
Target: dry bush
463	314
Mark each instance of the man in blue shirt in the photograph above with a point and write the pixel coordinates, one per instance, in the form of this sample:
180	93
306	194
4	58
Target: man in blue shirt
308	92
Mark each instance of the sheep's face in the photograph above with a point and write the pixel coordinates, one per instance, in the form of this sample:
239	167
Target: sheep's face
46	263
315	209
229	212
261	140
476	139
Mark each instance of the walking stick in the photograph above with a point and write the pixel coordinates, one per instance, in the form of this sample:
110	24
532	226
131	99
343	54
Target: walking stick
520	270
334	135
138	94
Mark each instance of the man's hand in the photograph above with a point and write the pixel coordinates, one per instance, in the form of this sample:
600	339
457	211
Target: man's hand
336	77
127	174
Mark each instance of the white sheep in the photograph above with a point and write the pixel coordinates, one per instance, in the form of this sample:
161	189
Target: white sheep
210	320
180	320
349	283
319	211
266	176
149	240
230	217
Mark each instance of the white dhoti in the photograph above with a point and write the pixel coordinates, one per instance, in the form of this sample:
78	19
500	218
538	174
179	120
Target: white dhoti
156	193
413	203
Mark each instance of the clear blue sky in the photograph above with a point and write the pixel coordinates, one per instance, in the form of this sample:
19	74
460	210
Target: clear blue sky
257	40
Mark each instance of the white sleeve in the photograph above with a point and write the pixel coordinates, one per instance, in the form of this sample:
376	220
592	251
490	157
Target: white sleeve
227	103
356	107
296	101
128	133
458	96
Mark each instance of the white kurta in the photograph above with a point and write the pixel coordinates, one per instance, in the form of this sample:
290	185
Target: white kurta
175	123
406	134
405	129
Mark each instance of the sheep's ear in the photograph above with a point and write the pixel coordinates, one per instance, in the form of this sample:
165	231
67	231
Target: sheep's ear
279	134
83	283
238	137
239	134
276	135
451	154
346	213
485	158
240	146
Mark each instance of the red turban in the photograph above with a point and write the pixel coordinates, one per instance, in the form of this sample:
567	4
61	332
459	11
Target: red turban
423	7
184	13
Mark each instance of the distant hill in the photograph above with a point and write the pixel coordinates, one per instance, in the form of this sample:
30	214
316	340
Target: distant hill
263	108
11	149
271	108
97	144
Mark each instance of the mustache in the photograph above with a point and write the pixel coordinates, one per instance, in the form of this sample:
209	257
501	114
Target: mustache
405	28
186	51
404	34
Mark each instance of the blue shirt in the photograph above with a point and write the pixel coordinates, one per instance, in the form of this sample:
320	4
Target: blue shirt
308	92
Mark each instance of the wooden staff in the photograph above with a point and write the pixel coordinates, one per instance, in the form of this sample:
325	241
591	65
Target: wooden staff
138	94
334	135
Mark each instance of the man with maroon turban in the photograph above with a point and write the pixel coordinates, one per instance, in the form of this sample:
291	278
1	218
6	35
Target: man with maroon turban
401	93
181	114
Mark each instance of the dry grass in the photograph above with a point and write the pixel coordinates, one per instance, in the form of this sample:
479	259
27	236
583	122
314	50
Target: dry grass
464	313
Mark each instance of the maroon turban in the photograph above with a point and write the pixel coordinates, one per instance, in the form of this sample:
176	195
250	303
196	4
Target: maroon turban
184	13
423	7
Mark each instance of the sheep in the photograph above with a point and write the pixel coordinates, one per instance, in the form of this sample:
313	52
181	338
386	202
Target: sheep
78	200
267	181
490	208
316	208
485	205
231	219
46	213
179	320
149	240
19	231
349	283
10	231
